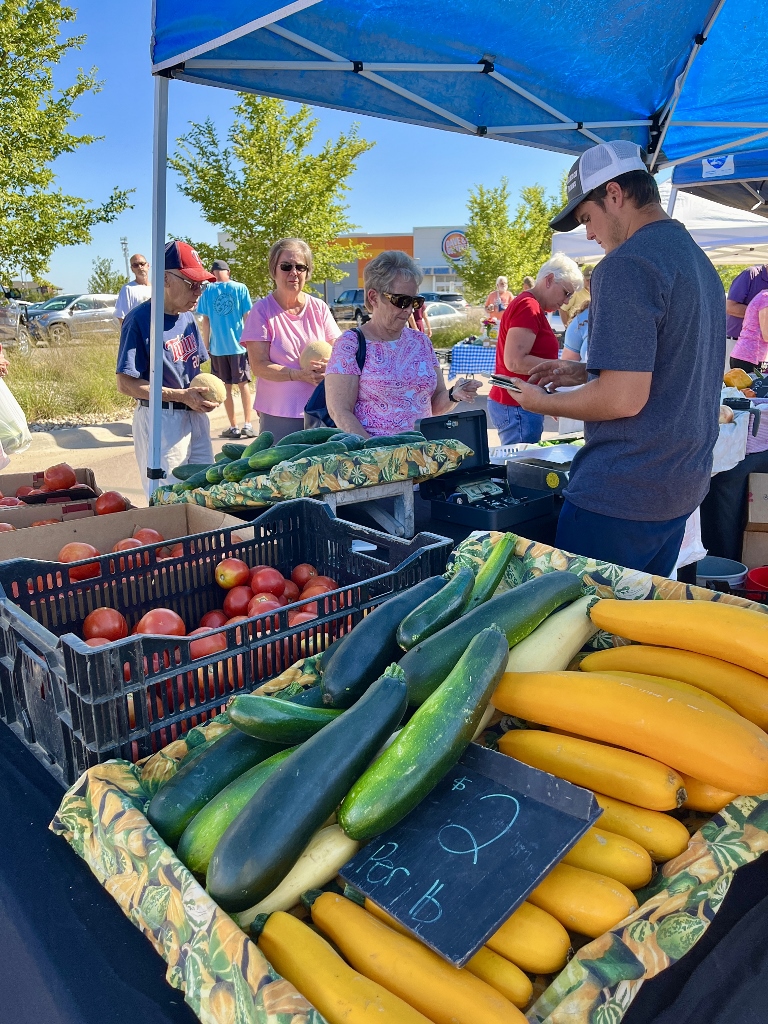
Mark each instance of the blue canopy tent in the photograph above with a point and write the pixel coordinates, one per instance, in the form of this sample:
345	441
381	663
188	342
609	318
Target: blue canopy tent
685	79
739	180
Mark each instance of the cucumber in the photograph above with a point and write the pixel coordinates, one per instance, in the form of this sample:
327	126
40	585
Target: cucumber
215	472
313	435
351	664
177	802
264	461
267	838
430	744
352	442
437	611
492	572
517	613
319	451
219	457
275	720
259	444
234	451
189	469
394	440
201	835
198	479
238	469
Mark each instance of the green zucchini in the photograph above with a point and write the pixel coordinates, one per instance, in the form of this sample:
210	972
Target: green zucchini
320	451
312	435
189	469
492	571
517	613
264	461
311	697
175	804
275	720
198	479
237	470
215	472
438	611
268	836
201	835
259	444
430	744
351	664
234	451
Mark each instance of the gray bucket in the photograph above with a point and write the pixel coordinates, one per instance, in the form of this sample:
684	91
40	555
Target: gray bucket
720	570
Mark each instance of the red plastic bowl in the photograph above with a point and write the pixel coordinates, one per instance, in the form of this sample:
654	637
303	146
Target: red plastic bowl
757	579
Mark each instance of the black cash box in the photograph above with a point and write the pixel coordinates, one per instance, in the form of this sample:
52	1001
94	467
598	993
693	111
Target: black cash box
478	495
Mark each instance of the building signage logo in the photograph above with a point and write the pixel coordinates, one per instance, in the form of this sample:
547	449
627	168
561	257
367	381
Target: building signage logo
454	245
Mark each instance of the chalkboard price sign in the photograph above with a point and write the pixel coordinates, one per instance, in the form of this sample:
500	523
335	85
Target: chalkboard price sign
456	868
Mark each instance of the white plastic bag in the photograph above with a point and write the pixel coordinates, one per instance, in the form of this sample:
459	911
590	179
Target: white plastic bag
14	432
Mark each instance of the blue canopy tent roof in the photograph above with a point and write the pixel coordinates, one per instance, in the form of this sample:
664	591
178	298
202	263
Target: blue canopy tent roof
685	79
739	180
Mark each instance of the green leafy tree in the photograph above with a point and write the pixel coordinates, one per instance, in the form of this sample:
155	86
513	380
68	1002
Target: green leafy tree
265	183
729	271
105	279
35	216
500	243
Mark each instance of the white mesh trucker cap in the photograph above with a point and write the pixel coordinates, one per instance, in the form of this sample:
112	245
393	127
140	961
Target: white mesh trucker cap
593	168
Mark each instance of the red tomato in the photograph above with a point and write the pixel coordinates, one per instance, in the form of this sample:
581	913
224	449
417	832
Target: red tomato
6	528
45	522
146	535
296	618
302	574
315	591
106	622
238	632
210	643
59	477
232	572
162	622
126	543
237	600
21	491
310	609
110	501
254	570
290	591
329	581
98	641
269	580
176	551
34	491
11	502
74	552
213	619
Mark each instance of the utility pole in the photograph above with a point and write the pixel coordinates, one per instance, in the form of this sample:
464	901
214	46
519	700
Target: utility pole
124	244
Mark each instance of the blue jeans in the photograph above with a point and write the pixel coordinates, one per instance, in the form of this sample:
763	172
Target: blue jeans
514	424
635	544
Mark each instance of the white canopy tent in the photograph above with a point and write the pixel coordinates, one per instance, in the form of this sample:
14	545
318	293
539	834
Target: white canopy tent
726	235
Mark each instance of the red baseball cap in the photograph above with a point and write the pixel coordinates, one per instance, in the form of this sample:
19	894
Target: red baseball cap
182	257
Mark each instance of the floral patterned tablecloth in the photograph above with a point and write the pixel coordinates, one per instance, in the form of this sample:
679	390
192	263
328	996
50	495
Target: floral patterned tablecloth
312	476
224	976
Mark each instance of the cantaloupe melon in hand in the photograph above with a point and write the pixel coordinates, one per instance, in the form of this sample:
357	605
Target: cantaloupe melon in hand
319	351
214	387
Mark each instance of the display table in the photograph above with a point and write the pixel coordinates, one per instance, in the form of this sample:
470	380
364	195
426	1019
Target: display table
471	359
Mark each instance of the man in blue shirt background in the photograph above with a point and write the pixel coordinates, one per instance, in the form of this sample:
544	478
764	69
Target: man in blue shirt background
223	307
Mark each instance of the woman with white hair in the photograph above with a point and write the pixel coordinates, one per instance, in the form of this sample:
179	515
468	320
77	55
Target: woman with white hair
498	301
278	329
525	338
400	381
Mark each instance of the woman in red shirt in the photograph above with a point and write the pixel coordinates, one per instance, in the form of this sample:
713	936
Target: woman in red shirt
525	338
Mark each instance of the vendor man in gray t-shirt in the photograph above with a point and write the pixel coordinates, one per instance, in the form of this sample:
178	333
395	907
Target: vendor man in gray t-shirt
651	383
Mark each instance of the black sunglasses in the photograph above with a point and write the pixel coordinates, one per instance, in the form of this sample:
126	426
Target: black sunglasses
404	301
301	268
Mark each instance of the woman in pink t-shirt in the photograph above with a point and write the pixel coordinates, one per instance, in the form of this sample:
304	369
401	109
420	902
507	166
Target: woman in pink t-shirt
752	347
400	382
277	330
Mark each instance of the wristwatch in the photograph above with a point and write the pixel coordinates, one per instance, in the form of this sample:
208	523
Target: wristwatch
450	396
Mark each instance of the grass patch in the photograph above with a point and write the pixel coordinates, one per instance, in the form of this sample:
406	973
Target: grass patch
447	337
68	382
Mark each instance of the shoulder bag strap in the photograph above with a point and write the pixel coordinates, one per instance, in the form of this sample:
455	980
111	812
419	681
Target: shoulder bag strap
361	347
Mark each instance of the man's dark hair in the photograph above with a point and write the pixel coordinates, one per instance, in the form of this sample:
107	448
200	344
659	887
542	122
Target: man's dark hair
639	186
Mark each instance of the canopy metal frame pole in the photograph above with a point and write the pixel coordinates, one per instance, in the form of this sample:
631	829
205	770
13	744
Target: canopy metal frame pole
159	185
734	145
672	201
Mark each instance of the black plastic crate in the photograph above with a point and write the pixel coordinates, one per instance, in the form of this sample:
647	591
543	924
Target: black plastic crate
77	706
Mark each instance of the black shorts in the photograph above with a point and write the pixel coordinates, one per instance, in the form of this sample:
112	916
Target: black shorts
231	369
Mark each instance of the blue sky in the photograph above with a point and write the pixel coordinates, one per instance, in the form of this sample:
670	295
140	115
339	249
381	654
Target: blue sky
413	176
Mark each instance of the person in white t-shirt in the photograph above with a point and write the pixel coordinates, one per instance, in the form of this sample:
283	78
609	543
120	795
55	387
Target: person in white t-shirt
136	291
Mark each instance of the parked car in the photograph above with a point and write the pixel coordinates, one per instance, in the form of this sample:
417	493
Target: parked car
350	305
80	317
453	298
14	332
556	323
442	314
